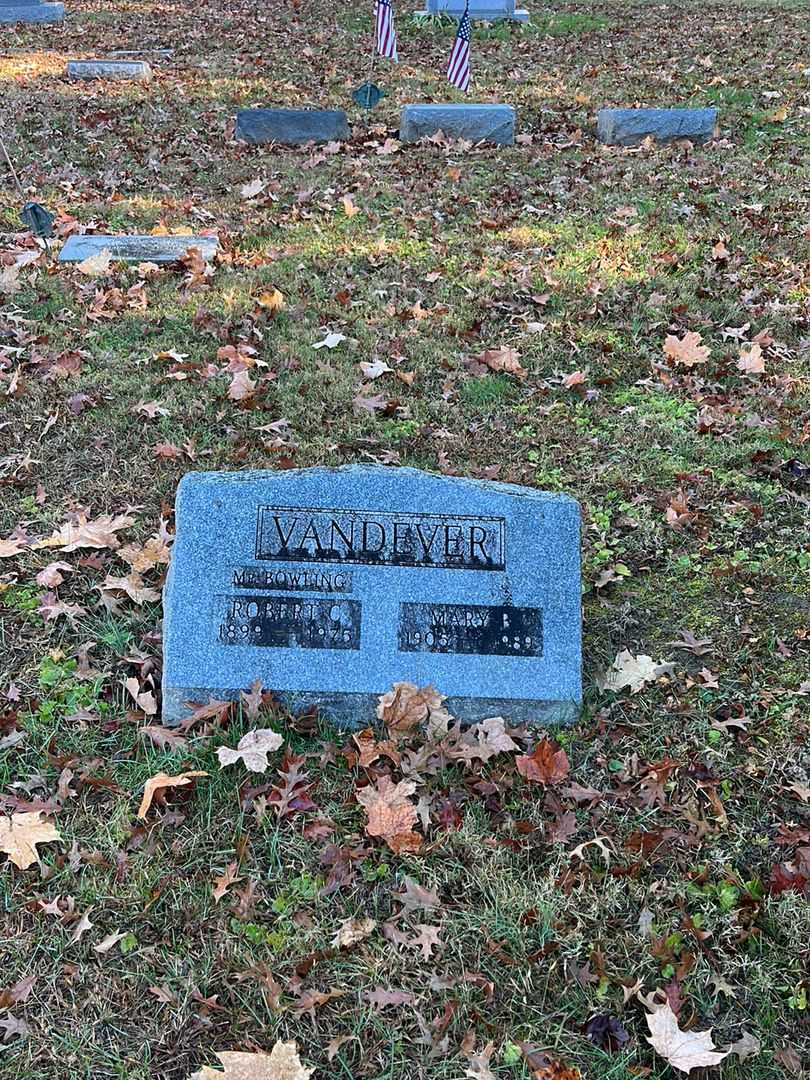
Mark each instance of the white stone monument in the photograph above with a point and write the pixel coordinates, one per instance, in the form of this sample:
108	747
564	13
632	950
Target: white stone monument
479	9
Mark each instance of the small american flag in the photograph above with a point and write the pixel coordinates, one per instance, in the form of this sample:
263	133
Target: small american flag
458	70
386	32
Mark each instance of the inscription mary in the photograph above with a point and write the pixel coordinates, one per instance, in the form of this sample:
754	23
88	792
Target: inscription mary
309	534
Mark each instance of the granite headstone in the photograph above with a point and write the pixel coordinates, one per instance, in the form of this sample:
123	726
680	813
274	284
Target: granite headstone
154	249
137	70
30	11
291	127
488	10
329	585
629	127
476	123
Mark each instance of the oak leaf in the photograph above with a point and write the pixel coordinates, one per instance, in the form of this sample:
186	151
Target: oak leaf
252	748
633	671
20	834
161	781
547	763
684	1050
282	1063
391	813
686	350
224	881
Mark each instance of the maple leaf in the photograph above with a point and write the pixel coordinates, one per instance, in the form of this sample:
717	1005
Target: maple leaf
686	350
633	671
547	763
751	361
352	932
20	834
282	1063
161	781
504	360
391	813
88	534
684	1050
252	748
406	706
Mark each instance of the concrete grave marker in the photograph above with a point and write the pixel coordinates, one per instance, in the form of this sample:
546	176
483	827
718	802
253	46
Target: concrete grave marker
488	10
629	127
476	123
137	70
155	249
291	127
330	585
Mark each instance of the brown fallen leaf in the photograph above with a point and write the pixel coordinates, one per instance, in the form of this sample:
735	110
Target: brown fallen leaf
225	880
504	360
161	781
633	671
84	533
751	361
406	706
684	1050
547	763
282	1063
391	813
310	1000
380	998
20	834
109	941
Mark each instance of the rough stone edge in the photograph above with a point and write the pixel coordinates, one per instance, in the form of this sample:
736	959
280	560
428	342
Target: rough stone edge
520	15
501	135
354	711
196	478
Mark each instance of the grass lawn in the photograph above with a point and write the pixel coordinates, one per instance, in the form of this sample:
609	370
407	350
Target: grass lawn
694	479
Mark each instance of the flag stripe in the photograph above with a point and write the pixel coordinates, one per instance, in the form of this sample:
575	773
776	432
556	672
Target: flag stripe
385	32
458	68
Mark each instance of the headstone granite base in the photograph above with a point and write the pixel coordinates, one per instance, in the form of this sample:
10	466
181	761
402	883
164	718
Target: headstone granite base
31	13
329	585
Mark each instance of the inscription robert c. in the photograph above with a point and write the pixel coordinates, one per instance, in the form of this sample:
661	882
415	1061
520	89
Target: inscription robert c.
289	622
309	534
486	630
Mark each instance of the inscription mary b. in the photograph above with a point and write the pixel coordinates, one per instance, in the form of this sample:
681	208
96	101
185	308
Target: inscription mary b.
452	541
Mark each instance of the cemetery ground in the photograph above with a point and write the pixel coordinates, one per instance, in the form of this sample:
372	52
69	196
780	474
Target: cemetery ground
492	312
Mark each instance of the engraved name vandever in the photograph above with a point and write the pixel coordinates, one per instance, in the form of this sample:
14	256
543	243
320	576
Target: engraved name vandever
450	541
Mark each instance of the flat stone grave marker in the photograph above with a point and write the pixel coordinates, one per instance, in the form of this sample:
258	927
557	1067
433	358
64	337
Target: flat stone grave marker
137	70
292	127
488	10
629	127
30	11
477	123
331	585
155	249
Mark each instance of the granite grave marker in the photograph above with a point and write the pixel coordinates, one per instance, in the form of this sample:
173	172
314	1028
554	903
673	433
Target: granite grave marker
30	11
476	123
330	585
488	10
137	70
629	127
154	249
291	127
